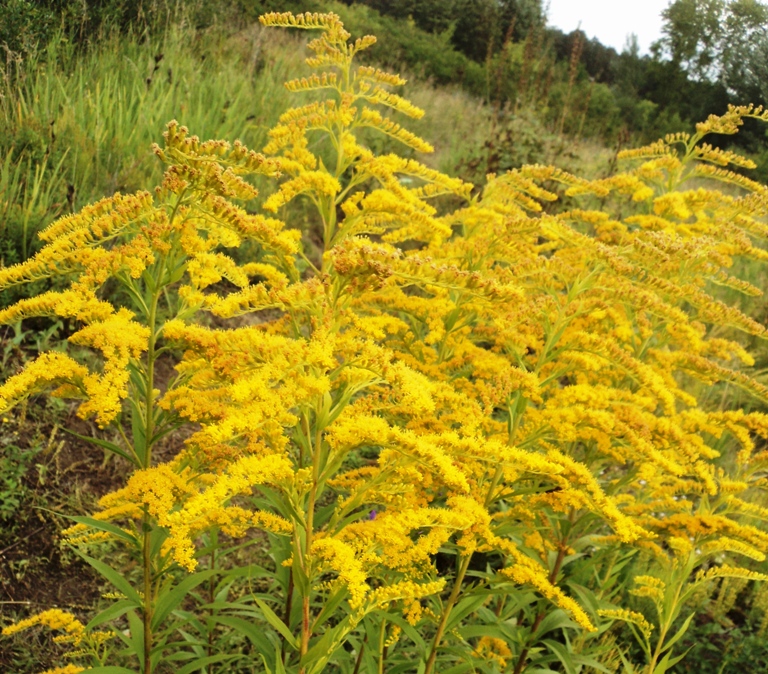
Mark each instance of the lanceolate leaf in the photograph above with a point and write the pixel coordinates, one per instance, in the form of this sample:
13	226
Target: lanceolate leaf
118	581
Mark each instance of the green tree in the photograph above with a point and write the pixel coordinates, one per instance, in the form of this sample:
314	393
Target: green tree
475	26
723	41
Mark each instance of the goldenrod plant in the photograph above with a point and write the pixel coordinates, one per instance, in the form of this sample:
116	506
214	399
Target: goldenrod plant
139	247
459	428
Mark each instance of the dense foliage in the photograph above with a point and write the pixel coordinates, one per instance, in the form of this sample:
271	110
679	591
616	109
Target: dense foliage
476	433
713	52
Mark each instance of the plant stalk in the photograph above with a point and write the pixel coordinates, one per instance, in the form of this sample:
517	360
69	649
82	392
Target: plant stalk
146	527
447	613
520	664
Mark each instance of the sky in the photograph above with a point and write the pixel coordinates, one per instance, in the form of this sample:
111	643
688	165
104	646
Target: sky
610	21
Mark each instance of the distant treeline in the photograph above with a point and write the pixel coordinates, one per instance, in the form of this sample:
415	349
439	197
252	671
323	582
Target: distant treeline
713	52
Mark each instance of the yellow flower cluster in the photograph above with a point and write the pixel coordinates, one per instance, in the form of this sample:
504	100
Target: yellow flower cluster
629	617
84	641
564	348
54	619
490	648
126	238
499	378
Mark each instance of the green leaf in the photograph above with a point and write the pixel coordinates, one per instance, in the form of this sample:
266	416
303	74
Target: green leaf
557	619
586	597
324	514
253	632
138	382
278	659
179	655
171	599
135	639
249	571
113	577
562	654
221	591
464	608
678	635
282	505
668	661
115	611
157	536
111	670
593	664
176	273
267	668
137	428
104	526
190	640
473	631
109	446
323	649
149	281
629	668
330	606
279	625
169	428
300	578
198	664
460	669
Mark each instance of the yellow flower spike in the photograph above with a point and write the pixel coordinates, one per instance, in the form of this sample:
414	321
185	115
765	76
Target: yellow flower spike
627	616
208	506
394	636
374	119
526	572
727	571
309	181
398	103
727	544
54	619
49	370
341	558
404	590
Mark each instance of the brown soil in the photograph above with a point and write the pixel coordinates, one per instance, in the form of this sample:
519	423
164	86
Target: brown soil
64	477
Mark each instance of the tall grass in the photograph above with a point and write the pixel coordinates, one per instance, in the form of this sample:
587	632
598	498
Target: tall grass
77	126
94	117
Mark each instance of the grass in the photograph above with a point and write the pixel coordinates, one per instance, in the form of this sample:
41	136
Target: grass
86	123
75	127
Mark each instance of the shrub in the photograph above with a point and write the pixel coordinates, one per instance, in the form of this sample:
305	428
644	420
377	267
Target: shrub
470	437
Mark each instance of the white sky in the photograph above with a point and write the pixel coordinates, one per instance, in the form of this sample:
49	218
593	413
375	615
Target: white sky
610	21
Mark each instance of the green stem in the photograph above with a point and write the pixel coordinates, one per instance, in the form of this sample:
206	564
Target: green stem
657	651
147	613
359	660
149	422
147	528
541	614
306	629
382	646
214	542
447	613
664	628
